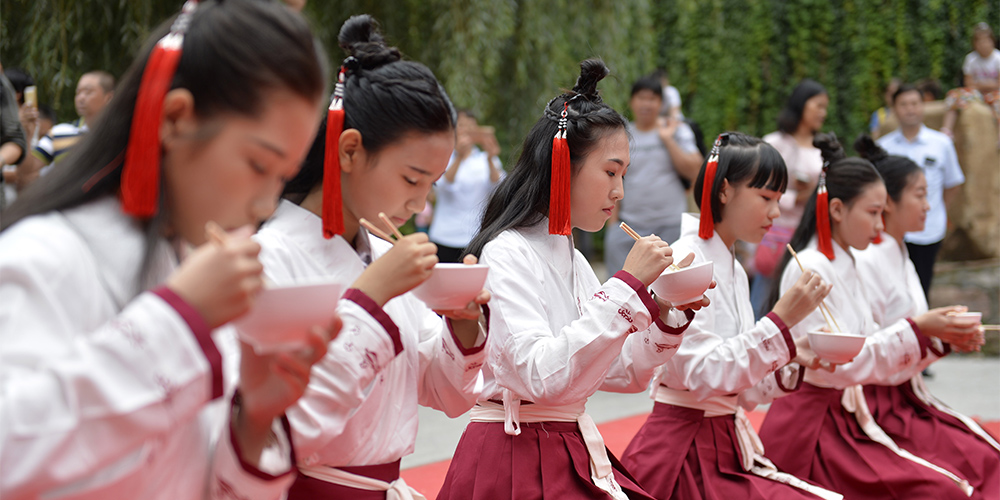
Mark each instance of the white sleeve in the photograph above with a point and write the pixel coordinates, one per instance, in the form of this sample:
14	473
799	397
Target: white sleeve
340	382
562	367
77	398
233	478
886	352
451	378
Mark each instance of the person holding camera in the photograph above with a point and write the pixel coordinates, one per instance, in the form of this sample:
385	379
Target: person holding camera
461	192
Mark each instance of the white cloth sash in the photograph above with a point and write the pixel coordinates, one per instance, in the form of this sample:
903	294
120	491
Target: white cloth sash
396	490
854	401
511	413
925	395
751	448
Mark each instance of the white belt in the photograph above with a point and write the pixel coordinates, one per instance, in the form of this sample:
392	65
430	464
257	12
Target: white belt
854	401
511	413
396	490
751	448
925	395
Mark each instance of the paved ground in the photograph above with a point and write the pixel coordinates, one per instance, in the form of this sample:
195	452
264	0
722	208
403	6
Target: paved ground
968	384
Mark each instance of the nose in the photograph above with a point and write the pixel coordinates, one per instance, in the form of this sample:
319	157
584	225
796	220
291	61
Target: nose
879	225
618	191
416	205
775	211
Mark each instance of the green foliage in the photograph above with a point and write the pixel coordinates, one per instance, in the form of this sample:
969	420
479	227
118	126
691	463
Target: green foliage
733	61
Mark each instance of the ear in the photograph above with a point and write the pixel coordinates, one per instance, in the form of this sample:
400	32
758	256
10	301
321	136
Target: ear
727	192
178	118
838	211
352	150
890	206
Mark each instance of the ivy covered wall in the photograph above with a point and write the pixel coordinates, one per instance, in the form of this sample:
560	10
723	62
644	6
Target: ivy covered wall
733	61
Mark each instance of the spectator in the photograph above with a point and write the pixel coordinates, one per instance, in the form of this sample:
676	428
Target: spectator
464	187
982	78
663	153
934	152
671	97
880	115
800	120
930	89
12	139
93	92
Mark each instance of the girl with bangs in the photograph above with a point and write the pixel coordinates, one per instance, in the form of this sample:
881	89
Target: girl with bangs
698	443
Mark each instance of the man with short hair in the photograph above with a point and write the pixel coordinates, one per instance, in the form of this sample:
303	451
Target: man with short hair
934	152
93	92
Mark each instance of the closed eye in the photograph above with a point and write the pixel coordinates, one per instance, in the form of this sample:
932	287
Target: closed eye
410	181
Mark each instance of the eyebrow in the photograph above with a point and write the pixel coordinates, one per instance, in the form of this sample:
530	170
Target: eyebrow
267	145
618	161
420	170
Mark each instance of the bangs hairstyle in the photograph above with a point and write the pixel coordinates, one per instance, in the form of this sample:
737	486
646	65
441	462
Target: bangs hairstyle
743	160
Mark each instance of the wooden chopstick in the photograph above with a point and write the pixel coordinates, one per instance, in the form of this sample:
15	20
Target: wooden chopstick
376	231
635	236
390	225
823	309
991	327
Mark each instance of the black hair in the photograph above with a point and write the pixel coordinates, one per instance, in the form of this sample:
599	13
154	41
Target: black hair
743	159
104	79
46	111
385	98
904	88
234	53
932	87
522	198
896	171
19	79
650	83
846	178
467	112
790	116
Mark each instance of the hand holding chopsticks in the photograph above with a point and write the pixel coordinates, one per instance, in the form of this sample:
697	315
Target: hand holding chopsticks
831	322
635	236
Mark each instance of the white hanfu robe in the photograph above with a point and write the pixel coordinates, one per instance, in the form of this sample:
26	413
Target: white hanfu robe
816	440
429	366
908	412
108	391
725	354
558	336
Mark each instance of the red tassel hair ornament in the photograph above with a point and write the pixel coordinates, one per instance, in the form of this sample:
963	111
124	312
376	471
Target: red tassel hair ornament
140	184
333	212
706	222
559	195
823	233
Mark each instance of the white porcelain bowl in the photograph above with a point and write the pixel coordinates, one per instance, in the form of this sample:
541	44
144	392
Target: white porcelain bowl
281	317
836	347
968	318
684	286
452	286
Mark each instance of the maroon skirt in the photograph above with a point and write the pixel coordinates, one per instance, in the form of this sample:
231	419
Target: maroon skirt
809	434
936	436
681	453
309	488
548	460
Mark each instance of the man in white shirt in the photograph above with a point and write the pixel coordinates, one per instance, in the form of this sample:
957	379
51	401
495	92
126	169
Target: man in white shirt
934	152
462	191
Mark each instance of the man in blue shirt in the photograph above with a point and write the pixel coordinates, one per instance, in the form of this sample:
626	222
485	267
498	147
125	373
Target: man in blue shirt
934	152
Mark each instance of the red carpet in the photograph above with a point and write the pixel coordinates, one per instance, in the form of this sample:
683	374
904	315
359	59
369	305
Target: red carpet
428	479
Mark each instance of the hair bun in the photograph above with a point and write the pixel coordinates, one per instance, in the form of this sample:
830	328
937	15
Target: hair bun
360	38
869	149
591	72
828	144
